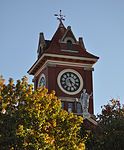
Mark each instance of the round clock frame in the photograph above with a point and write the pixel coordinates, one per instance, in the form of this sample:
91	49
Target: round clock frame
70	81
42	80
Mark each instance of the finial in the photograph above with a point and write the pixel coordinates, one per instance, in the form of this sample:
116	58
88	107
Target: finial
60	17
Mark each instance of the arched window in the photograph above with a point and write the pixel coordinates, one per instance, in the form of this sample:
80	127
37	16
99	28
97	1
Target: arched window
70	107
69	44
79	108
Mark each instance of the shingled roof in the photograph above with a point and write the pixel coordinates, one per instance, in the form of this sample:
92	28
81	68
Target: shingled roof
58	46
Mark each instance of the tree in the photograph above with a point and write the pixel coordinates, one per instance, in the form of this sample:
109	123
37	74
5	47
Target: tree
33	119
109	133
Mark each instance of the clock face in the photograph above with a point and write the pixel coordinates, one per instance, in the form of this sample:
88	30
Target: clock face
70	81
42	81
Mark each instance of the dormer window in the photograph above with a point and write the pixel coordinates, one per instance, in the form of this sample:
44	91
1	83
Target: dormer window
69	44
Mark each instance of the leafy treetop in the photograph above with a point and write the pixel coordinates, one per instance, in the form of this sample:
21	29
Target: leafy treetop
33	119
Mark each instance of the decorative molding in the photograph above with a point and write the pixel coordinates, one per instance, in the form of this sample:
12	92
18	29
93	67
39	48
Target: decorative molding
67	99
64	63
88	69
78	75
68	38
61	56
71	57
70	51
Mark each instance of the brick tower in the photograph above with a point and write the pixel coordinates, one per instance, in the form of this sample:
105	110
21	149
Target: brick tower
64	65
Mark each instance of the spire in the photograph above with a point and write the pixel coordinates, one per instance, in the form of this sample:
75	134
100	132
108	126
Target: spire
60	17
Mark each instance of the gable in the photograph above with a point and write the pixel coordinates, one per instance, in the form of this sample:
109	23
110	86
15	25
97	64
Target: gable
68	36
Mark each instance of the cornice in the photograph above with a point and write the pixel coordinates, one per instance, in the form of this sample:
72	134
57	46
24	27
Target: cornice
60	56
63	63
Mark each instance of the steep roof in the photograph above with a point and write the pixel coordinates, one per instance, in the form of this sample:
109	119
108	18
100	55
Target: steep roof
58	44
63	43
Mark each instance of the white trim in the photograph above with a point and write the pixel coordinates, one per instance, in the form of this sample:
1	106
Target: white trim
69	38
67	99
75	72
64	63
72	57
62	56
70	51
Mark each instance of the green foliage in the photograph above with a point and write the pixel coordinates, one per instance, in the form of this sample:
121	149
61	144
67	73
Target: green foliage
109	133
33	119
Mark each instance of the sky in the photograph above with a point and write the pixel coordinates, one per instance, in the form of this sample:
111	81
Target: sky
99	22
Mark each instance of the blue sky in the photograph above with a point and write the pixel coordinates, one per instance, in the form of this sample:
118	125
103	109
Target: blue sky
99	22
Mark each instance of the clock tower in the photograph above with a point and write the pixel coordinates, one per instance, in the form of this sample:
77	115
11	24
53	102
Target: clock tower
65	66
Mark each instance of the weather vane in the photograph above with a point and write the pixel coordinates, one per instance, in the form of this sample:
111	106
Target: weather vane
60	17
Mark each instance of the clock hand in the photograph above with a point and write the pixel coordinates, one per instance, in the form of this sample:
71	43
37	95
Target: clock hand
71	81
